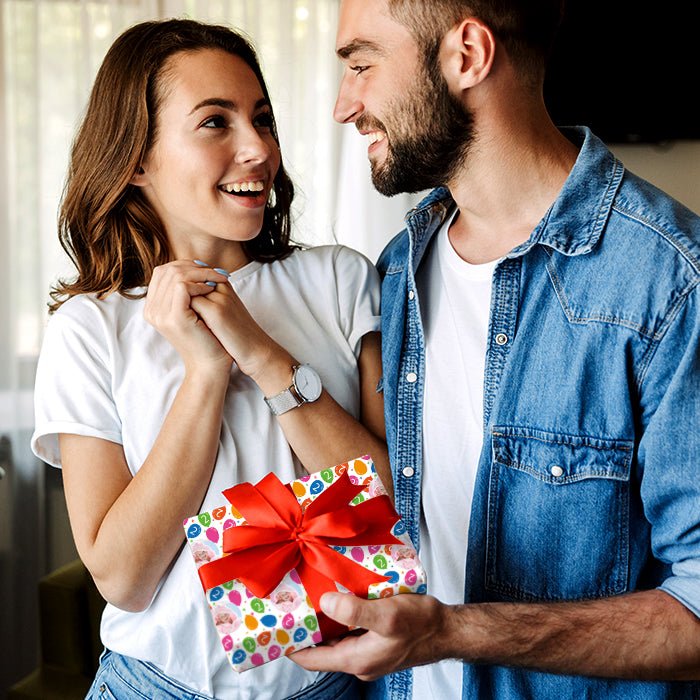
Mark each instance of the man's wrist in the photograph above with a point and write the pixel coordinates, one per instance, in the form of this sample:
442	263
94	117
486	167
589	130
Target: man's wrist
450	644
467	633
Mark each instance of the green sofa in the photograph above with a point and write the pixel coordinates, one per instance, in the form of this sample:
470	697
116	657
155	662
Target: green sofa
70	608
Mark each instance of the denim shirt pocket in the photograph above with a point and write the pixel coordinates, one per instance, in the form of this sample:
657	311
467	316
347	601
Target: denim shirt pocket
558	516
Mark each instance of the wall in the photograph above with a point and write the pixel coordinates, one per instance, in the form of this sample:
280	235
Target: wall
674	168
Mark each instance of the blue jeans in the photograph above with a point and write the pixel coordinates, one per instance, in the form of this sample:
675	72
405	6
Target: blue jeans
124	678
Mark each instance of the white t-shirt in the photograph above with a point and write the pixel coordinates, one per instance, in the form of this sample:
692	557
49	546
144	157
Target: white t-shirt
105	372
455	298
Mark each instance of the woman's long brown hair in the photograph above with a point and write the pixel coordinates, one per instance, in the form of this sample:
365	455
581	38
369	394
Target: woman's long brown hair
105	225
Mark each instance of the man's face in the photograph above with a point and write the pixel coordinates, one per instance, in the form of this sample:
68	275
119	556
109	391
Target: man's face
397	96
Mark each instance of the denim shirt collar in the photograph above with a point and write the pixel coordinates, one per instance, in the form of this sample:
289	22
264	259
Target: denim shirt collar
574	222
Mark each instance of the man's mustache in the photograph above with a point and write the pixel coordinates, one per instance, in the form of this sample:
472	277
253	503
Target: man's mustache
369	123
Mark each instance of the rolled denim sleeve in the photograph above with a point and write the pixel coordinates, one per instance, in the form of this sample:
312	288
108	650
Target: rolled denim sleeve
669	451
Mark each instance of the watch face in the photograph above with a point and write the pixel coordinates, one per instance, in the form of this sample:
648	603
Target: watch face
307	382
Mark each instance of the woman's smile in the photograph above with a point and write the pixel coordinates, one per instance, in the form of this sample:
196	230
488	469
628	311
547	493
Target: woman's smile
248	193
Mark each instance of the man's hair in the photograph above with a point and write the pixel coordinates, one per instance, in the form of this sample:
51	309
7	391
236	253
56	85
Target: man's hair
526	28
106	225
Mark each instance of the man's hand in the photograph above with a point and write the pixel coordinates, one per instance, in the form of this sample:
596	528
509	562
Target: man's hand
402	631
646	635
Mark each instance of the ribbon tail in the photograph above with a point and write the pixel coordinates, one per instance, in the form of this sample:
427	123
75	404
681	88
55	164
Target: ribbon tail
330	628
316	584
214	573
323	566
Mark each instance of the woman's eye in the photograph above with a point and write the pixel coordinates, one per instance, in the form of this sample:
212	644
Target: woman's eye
263	120
215	122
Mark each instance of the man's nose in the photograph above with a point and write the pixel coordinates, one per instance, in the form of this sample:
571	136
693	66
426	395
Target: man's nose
348	106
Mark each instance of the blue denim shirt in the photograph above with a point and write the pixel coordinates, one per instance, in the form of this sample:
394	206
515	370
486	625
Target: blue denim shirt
589	479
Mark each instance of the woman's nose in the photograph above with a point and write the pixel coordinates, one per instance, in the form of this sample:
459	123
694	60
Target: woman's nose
252	146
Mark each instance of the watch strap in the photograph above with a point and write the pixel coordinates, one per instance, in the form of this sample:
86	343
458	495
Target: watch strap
284	401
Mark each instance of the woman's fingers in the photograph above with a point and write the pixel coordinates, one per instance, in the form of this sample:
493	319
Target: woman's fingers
169	307
197	280
191	270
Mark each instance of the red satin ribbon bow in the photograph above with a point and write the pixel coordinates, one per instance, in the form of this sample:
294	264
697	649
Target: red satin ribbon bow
279	537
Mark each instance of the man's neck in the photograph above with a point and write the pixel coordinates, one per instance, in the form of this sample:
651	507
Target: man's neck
508	183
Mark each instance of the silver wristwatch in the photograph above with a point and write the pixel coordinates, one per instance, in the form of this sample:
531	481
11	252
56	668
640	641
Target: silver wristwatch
305	388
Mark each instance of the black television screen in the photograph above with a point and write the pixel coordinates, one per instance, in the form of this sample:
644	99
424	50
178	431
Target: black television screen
627	71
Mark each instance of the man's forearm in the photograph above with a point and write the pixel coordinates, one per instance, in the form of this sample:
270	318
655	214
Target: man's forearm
644	635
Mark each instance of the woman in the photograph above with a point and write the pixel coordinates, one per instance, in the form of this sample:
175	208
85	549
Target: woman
188	354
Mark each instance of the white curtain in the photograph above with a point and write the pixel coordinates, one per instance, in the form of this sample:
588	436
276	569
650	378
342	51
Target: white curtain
50	51
364	219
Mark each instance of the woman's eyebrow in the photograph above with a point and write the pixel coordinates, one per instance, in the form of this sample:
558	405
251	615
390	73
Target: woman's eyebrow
225	104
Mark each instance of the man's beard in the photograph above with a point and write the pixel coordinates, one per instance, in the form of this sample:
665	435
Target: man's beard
431	134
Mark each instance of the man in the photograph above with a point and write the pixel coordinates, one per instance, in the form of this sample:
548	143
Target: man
541	317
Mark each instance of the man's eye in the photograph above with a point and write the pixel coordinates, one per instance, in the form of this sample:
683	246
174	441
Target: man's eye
215	122
359	69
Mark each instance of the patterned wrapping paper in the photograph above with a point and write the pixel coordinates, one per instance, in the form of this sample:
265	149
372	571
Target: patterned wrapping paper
255	630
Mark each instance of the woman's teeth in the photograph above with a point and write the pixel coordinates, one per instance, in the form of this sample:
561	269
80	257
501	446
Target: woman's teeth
238	187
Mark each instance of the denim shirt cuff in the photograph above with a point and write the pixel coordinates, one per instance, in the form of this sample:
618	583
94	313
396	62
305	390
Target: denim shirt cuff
685	589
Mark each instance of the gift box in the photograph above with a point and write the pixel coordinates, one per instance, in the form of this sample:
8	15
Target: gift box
266	557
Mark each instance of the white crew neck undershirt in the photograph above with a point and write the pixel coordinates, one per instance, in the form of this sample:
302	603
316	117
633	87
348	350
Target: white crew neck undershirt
455	299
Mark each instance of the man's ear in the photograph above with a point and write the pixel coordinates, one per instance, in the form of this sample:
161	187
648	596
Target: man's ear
139	178
467	54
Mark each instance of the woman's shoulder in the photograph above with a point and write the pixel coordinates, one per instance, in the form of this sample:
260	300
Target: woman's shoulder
91	312
334	273
89	326
115	302
330	257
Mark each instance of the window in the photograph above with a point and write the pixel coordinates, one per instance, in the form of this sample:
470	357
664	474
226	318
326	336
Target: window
51	50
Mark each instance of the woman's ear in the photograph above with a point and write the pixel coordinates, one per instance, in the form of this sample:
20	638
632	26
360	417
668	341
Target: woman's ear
467	54
139	179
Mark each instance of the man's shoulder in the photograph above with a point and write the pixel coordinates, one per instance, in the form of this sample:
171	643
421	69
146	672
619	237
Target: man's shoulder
643	266
658	221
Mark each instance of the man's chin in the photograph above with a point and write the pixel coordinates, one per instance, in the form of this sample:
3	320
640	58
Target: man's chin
389	187
384	182
382	189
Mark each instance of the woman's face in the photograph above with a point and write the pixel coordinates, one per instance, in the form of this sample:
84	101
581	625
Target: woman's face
214	160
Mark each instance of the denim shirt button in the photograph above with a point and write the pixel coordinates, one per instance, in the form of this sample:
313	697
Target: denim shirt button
556	471
411	295
501	339
408	472
411	377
